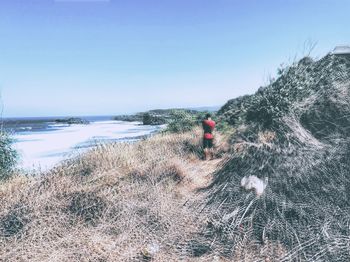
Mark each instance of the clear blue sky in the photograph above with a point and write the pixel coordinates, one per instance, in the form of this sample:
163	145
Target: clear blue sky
86	57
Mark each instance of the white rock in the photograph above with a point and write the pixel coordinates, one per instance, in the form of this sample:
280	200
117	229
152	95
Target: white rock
254	183
151	249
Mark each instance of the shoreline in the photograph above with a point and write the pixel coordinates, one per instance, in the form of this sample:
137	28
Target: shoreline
48	147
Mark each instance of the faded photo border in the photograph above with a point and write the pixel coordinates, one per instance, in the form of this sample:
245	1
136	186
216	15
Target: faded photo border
82	1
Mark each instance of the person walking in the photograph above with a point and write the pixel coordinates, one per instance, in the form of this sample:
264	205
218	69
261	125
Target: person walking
208	137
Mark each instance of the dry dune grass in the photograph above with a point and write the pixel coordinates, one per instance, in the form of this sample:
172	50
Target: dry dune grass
118	202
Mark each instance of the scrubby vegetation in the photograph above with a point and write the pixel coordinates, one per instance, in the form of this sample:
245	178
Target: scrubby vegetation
181	121
187	117
8	156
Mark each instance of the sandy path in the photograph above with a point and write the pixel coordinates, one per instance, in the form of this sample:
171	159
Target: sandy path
198	174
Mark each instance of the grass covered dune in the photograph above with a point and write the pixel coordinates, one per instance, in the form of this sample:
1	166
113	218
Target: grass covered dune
295	132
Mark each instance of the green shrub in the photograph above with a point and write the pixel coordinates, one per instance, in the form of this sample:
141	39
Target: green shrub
151	119
223	126
181	121
8	156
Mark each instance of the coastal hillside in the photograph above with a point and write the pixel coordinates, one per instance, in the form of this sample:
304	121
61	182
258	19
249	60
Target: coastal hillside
295	134
165	116
157	200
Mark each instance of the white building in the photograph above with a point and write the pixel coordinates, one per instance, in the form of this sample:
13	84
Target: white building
341	50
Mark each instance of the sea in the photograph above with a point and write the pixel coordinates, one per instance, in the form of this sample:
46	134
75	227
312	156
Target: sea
42	143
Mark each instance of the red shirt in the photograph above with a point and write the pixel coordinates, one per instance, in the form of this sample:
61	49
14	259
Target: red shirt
208	126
